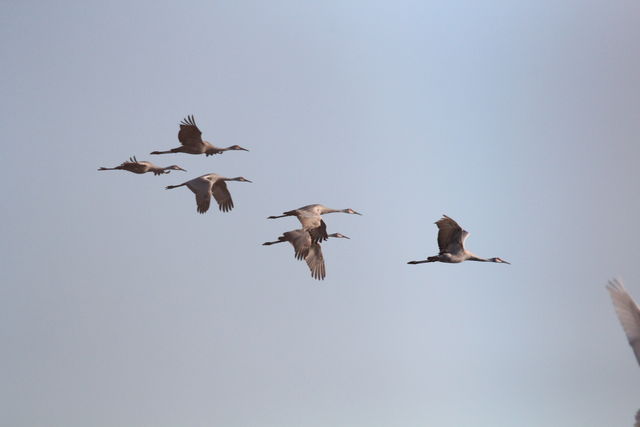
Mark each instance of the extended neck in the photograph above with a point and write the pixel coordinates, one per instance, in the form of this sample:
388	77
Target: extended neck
473	257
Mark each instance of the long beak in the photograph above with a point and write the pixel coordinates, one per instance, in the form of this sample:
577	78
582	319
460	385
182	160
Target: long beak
182	169
506	262
357	213
244	149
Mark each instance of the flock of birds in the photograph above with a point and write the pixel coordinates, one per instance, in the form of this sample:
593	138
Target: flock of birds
306	240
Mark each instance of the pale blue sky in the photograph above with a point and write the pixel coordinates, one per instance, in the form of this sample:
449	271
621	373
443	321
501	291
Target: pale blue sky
121	306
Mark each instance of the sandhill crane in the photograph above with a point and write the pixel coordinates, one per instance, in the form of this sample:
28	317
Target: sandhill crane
211	184
135	166
191	139
309	217
628	313
451	239
305	249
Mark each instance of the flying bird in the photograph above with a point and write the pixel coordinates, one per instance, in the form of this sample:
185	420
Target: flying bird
211	184
628	313
135	166
451	239
311	220
192	143
305	249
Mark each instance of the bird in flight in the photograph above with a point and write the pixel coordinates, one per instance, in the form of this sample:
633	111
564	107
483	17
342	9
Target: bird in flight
451	239
628	313
311	220
192	143
207	185
305	249
135	166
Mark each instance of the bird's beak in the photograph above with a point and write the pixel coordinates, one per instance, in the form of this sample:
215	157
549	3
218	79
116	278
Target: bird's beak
506	262
345	237
183	170
248	180
244	149
357	213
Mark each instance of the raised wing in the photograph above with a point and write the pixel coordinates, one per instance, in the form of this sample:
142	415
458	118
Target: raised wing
628	313
222	195
202	189
451	236
315	261
189	133
301	242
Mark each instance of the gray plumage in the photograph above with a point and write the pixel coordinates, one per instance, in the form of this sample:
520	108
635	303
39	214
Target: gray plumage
139	167
628	313
209	185
305	248
311	220
190	137
451	239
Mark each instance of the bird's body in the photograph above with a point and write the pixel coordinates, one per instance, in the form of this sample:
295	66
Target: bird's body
305	248
311	219
207	185
451	239
136	166
628	313
190	137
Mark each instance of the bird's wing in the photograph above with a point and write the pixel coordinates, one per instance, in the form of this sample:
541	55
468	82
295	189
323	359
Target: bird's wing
201	187
189	133
315	261
450	235
315	226
300	240
628	314
222	195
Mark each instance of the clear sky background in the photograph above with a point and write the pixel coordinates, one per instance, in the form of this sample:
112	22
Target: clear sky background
121	306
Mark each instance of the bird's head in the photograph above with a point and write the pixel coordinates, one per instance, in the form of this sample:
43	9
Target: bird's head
241	179
236	147
500	260
351	211
175	168
341	236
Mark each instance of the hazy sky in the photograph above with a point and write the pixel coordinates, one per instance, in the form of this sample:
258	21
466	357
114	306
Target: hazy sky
121	306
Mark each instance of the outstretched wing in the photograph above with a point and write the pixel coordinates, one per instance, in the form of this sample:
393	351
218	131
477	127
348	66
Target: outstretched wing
301	242
189	133
628	313
222	195
315	261
451	236
202	189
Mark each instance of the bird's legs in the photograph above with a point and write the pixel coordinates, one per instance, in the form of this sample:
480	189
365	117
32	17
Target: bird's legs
279	216
273	243
173	150
169	187
430	259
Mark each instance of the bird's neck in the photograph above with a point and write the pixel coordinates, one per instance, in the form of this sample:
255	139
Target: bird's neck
474	257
